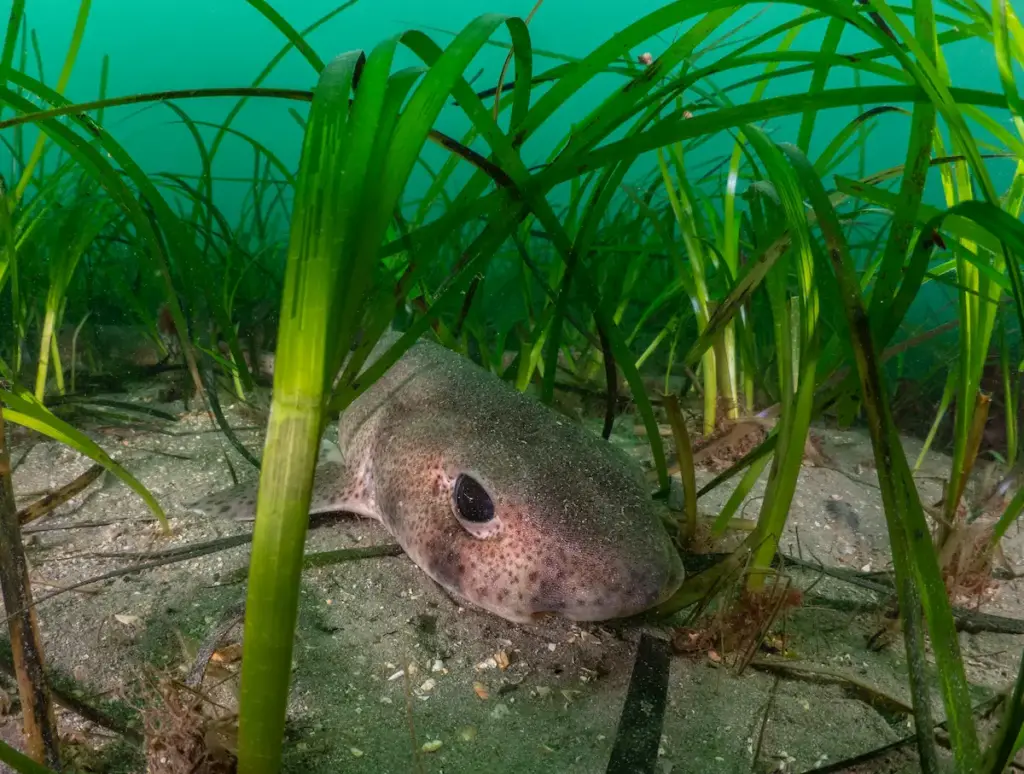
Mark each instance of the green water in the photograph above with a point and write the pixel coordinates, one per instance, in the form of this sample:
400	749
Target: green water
169	45
165	44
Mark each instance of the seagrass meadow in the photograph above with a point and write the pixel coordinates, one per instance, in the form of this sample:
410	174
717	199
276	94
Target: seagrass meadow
769	252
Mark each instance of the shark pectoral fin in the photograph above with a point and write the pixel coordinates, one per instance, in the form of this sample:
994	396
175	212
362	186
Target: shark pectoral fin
237	503
341	487
336	487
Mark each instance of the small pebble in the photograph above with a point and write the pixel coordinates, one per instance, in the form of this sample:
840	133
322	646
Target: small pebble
499	711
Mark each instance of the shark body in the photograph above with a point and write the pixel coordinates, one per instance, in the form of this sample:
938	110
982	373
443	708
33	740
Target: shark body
501	500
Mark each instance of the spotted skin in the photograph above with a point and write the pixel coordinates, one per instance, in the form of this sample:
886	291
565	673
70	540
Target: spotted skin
574	531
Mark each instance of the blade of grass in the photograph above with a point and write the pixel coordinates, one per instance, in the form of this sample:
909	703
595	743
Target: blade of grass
1008	739
62	82
296	421
286	29
20	762
919	578
24	410
38	719
353	171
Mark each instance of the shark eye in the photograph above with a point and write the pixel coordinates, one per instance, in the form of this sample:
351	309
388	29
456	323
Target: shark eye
472	503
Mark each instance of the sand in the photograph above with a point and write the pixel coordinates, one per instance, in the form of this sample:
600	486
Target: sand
388	670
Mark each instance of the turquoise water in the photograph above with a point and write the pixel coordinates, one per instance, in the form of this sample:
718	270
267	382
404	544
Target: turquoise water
164	44
179	44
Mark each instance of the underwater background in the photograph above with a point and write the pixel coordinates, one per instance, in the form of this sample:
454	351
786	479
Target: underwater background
810	358
182	44
168	45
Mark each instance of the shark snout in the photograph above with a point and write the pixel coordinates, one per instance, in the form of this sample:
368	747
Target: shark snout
627	587
666	581
652	583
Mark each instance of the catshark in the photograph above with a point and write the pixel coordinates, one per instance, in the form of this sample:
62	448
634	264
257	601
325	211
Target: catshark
501	500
